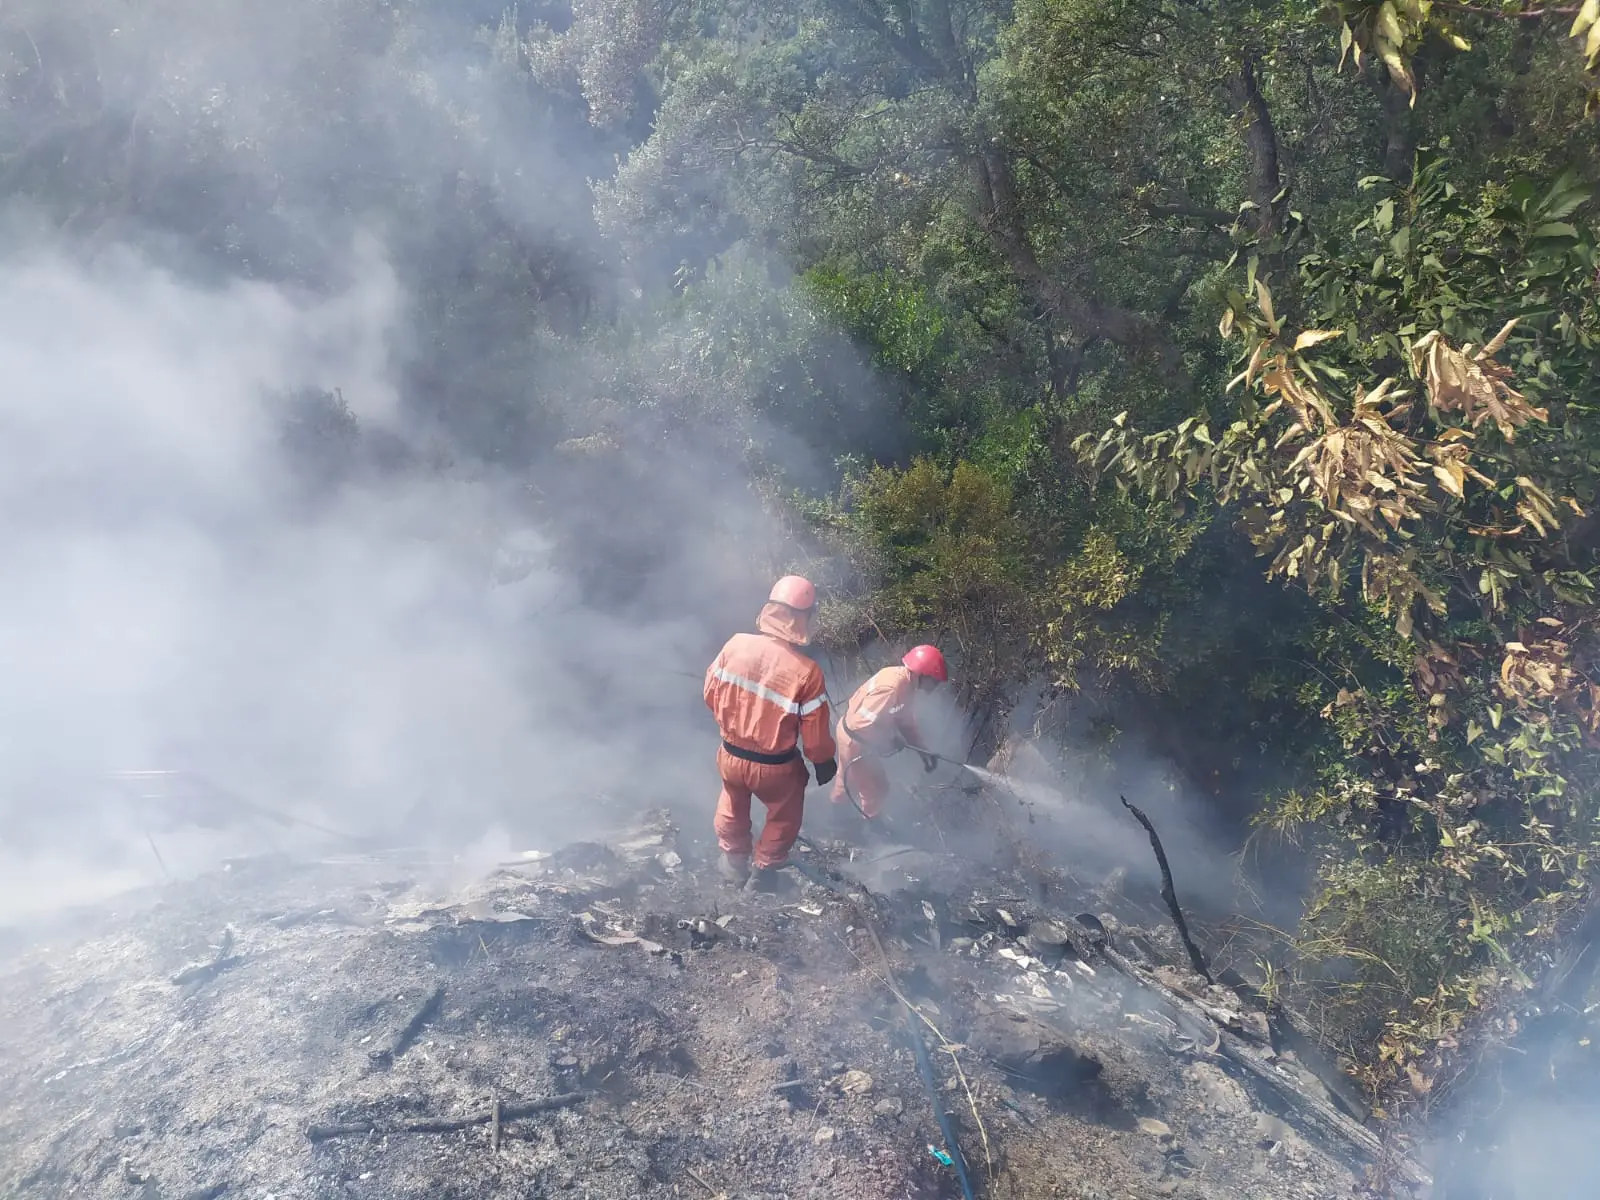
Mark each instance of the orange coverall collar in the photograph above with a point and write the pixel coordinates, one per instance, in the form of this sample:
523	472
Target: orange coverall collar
788	624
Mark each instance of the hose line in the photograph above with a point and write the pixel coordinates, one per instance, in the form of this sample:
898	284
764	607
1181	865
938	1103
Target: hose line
925	1069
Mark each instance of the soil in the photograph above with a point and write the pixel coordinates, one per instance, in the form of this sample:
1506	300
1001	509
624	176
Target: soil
187	1041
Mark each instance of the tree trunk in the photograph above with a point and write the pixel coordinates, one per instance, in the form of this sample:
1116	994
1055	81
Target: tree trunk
1085	316
1399	131
1261	143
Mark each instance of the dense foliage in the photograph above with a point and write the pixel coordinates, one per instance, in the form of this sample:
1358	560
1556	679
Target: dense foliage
1191	351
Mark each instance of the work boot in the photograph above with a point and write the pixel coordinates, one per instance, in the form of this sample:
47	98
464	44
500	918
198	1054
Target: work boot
772	880
733	869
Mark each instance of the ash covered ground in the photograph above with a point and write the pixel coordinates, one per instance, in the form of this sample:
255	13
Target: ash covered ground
607	1020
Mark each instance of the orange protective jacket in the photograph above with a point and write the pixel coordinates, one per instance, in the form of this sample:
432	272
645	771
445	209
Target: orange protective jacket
766	694
878	718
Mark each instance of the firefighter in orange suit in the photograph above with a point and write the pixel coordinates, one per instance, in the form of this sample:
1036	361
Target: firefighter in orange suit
879	721
769	700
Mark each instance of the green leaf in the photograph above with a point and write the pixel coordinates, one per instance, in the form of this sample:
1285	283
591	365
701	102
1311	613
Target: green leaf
1555	229
1564	199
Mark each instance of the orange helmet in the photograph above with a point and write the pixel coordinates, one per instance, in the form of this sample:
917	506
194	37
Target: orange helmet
928	662
794	591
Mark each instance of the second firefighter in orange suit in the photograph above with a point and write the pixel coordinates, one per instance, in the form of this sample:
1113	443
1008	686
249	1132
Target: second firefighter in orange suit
769	699
879	721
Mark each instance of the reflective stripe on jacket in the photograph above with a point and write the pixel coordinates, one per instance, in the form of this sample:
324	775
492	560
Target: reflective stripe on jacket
766	694
879	715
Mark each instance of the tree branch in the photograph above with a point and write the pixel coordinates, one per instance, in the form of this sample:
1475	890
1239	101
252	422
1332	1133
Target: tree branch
1500	14
1170	894
1173	206
1184	208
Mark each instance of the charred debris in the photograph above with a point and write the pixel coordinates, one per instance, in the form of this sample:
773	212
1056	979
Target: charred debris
604	1020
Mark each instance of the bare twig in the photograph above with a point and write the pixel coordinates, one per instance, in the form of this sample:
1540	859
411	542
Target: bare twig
207	970
424	1014
507	1112
694	1175
494	1123
1169	894
983	1133
160	862
200	972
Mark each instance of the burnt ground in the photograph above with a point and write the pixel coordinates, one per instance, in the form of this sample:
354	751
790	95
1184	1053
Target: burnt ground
184	1042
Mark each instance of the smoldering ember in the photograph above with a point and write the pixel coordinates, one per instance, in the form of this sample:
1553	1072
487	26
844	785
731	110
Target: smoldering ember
871	599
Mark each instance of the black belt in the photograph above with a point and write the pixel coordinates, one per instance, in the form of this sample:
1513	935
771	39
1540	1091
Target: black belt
766	760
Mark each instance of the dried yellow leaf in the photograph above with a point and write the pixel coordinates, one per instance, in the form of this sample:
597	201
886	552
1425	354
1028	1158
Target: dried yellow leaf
1530	514
1264	300
1452	479
1588	15
1255	362
1314	337
1498	341
1476	387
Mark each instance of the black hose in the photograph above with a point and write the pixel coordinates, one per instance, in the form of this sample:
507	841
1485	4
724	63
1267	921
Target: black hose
919	1048
946	1130
953	762
844	783
844	774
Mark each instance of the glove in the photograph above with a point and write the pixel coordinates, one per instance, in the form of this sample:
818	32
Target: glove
826	771
930	764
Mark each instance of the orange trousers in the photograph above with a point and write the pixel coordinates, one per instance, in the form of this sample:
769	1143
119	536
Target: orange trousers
781	788
863	771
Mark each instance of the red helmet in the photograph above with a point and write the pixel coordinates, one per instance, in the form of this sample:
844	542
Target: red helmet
928	662
794	591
